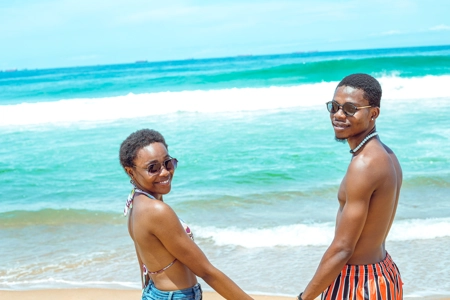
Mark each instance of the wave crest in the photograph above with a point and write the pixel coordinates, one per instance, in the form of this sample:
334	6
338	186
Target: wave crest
317	234
208	101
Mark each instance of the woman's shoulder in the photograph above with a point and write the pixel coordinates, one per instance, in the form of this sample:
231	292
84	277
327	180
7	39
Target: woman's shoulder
151	208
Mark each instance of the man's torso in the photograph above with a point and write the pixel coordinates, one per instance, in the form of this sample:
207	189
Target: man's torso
380	165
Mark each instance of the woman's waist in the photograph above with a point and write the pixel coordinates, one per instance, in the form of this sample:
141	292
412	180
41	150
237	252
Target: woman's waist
176	278
152	292
173	285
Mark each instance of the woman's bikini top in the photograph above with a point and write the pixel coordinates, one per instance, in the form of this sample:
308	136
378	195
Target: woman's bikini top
128	206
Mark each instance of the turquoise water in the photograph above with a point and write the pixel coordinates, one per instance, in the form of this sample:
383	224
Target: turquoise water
258	174
219	73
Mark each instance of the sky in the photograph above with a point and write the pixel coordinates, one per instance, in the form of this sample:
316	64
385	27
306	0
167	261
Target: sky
65	33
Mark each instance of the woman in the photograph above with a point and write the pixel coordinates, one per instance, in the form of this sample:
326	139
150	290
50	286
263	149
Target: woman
168	257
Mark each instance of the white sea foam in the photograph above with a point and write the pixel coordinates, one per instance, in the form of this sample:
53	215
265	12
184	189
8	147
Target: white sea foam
61	283
317	234
211	101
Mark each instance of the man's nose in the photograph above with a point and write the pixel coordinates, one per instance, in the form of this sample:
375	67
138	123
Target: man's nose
339	114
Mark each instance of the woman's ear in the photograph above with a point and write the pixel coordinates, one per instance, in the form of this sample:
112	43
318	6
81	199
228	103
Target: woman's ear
130	172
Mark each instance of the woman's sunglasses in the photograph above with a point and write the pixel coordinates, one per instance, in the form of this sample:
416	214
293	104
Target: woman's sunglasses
169	164
348	108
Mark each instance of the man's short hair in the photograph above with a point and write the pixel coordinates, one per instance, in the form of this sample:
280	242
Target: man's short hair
365	82
136	141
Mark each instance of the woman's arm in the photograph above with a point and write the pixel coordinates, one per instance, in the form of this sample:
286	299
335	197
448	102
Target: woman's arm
174	238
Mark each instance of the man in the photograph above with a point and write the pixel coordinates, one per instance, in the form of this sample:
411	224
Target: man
356	264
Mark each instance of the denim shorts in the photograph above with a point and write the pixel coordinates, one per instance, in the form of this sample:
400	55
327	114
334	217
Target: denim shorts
150	292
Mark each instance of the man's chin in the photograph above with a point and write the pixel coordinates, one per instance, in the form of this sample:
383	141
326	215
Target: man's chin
340	140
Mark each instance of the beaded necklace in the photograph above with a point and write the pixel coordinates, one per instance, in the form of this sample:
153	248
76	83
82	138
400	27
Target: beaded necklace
367	138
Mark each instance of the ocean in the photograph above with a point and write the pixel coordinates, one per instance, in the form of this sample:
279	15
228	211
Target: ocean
258	170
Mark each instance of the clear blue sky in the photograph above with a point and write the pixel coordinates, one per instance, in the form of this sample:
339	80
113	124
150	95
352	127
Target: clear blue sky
56	33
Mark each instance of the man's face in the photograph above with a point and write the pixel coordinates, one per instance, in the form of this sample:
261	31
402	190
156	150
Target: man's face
349	126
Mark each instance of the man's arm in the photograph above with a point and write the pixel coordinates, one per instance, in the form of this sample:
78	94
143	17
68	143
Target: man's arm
359	186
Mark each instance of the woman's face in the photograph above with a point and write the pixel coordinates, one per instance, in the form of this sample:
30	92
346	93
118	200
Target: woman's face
156	184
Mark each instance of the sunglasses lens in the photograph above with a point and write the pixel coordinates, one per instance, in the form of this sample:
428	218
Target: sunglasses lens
332	107
154	168
171	164
349	109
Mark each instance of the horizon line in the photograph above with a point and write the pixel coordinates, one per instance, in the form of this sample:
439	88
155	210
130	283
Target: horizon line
145	61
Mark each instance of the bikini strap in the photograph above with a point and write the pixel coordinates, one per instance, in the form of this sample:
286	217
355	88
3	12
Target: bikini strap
145	193
129	203
159	271
146	272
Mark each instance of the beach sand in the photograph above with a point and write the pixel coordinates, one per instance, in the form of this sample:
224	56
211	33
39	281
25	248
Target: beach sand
99	294
108	294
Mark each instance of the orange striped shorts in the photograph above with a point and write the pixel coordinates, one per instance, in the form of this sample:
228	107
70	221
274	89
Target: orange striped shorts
378	281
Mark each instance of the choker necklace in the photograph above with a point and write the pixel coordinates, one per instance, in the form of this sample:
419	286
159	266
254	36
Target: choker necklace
353	151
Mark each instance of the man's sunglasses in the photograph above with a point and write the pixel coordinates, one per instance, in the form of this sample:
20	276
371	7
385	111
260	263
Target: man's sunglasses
169	164
348	108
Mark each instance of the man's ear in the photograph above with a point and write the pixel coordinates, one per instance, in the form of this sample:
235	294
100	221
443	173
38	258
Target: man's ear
375	112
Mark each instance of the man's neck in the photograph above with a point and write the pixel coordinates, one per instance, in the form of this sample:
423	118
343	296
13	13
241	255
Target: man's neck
354	141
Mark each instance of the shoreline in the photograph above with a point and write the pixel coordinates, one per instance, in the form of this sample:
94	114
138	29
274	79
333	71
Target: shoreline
100	294
117	294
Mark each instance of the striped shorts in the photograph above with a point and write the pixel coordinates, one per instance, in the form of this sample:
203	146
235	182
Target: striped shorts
367	282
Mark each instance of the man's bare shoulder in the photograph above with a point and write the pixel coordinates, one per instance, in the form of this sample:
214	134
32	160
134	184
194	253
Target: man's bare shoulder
373	162
388	150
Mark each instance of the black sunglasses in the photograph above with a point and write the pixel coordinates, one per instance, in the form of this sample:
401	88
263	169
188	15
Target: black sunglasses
170	164
348	108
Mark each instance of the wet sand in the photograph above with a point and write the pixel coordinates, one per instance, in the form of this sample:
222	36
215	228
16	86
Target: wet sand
108	294
99	294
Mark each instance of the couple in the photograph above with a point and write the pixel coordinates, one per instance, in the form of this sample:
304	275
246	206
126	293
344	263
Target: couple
355	265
